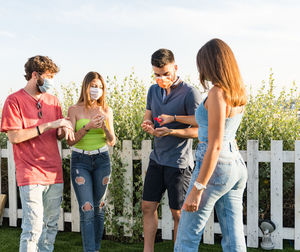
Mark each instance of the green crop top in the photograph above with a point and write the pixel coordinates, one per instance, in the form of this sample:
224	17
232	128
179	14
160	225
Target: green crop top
93	140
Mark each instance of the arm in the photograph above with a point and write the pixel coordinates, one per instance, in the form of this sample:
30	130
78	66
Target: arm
190	119
216	123
191	132
109	131
21	135
80	133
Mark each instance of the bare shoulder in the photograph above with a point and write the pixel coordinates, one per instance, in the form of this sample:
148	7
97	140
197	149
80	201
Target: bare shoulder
108	110
216	92
75	109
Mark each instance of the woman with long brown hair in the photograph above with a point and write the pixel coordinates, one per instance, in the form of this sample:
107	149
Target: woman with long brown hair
92	120
220	175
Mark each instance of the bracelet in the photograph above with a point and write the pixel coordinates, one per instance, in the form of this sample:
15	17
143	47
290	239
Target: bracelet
38	130
87	130
174	118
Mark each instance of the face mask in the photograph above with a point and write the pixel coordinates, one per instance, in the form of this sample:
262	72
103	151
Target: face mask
47	84
95	93
164	81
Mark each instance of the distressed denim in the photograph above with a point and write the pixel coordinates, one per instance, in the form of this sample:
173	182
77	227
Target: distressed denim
90	176
224	192
41	209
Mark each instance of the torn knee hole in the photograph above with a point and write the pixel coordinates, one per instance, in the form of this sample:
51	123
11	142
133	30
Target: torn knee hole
105	180
87	206
79	180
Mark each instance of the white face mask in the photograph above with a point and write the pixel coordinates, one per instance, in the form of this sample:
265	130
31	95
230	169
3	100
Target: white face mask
95	93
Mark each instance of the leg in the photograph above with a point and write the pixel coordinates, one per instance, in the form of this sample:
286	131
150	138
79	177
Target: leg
100	176
150	222
177	182
191	225
230	214
52	199
32	219
154	188
83	186
176	217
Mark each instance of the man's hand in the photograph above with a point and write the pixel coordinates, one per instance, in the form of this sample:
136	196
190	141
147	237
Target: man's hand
148	126
69	133
163	131
64	122
166	119
65	132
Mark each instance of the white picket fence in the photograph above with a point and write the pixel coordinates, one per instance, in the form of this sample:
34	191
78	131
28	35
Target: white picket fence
252	156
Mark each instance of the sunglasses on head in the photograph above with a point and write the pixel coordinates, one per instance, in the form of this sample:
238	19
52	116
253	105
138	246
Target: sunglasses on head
39	107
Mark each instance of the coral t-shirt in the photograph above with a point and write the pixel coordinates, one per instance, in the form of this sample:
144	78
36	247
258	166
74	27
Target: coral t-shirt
37	160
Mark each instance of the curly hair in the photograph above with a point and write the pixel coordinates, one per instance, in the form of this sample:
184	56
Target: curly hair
39	64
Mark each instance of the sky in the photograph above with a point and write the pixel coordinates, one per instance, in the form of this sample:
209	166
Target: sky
118	37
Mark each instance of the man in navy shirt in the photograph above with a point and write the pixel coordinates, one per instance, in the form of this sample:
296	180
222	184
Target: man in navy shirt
171	161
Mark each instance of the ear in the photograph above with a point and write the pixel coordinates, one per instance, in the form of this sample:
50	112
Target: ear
34	75
175	67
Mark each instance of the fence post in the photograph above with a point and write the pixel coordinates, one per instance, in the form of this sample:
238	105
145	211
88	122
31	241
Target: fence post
297	195
109	204
126	156
209	235
146	150
252	194
12	187
276	191
166	219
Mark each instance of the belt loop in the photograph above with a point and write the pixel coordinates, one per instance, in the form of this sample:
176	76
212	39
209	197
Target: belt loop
99	151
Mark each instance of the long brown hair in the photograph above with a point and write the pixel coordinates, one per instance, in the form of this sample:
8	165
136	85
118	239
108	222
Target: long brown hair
216	63
85	90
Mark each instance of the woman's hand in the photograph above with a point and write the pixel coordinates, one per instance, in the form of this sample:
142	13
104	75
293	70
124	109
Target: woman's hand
166	119
96	122
192	201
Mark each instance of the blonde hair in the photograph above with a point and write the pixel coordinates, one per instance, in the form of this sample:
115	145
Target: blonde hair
216	63
85	91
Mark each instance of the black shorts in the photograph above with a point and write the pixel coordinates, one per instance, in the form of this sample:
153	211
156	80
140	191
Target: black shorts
160	178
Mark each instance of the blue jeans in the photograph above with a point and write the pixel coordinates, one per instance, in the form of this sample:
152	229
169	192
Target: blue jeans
41	209
224	192
90	176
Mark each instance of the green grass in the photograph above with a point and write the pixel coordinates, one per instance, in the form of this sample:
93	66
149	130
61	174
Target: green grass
68	241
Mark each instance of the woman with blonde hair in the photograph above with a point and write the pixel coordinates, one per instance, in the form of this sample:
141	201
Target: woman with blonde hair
92	120
220	175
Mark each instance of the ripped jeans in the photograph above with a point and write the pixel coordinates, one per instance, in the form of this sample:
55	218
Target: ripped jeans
90	176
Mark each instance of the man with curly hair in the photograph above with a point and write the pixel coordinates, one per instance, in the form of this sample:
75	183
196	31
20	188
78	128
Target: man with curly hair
33	121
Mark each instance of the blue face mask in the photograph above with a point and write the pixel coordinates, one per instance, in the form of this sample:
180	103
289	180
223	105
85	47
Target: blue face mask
48	83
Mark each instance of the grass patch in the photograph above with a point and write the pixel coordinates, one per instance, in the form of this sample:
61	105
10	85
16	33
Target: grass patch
70	241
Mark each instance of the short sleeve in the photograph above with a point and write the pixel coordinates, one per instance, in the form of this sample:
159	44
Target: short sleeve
149	99
192	101
11	116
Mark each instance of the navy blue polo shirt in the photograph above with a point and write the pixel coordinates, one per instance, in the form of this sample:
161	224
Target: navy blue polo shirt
183	100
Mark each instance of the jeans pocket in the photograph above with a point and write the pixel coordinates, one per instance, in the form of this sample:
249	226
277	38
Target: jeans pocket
221	173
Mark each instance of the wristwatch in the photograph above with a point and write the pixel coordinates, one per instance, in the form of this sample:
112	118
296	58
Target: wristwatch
199	186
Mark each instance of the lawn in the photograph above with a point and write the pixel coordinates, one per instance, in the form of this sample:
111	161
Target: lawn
68	241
